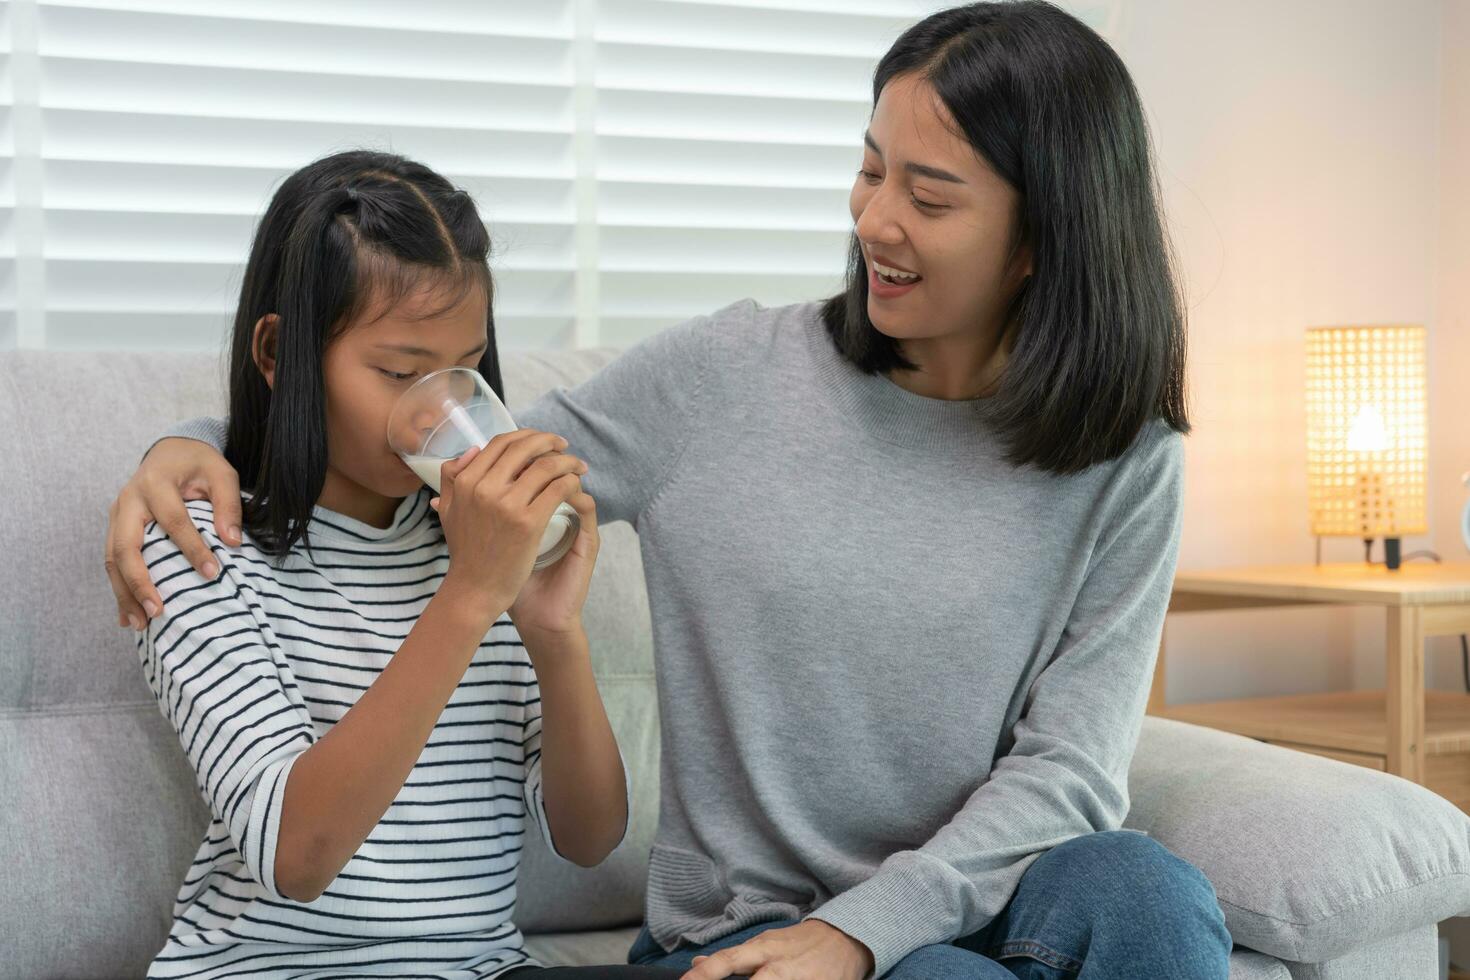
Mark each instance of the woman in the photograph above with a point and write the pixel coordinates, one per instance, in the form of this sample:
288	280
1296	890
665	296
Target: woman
908	550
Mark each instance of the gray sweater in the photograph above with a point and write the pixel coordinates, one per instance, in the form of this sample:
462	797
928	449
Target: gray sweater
893	669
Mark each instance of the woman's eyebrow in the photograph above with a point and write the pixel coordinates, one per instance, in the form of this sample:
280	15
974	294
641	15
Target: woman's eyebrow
921	169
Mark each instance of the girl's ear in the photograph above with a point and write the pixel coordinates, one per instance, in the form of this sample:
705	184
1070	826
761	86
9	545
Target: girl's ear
263	347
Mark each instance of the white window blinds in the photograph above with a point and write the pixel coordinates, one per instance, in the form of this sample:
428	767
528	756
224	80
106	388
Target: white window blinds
638	161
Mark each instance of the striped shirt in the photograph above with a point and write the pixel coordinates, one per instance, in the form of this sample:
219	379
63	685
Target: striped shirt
251	669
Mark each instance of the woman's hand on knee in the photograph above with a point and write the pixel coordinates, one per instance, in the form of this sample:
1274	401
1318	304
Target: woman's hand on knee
175	470
810	950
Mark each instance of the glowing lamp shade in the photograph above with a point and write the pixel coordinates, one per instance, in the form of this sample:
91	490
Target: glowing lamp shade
1367	431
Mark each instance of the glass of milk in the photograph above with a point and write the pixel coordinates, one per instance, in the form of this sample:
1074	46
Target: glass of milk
445	413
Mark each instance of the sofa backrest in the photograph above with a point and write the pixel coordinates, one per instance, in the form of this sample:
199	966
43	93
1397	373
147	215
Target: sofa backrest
101	813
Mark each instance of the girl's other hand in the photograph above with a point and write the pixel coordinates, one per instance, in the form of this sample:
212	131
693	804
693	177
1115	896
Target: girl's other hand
550	603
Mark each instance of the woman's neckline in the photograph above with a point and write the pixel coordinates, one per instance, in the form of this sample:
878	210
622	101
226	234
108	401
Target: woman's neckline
889	411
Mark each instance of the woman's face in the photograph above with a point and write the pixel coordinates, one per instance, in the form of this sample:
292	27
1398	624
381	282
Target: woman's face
936	224
370	364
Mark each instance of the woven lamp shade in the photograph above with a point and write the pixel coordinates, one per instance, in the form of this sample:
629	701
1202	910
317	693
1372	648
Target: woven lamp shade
1367	430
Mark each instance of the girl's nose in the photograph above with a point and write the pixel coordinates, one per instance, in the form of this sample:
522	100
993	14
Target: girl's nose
423	422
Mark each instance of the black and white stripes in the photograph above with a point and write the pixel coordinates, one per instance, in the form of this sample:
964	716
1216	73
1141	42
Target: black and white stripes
251	669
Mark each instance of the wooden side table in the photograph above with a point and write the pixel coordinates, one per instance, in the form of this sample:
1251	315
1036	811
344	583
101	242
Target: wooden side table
1422	736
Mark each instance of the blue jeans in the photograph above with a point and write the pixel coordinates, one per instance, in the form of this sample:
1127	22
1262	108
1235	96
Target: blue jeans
1115	905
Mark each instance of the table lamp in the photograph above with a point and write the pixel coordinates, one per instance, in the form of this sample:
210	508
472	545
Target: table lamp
1367	434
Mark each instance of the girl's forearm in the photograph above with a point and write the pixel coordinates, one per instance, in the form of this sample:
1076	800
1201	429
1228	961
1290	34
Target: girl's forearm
582	778
340	788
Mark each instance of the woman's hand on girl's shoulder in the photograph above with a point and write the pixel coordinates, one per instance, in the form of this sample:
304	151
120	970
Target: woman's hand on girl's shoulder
175	470
495	505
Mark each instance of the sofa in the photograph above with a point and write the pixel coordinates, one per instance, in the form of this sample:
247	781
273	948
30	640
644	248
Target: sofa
1324	871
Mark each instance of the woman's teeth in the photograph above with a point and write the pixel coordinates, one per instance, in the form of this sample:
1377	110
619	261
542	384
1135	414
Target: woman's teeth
895	277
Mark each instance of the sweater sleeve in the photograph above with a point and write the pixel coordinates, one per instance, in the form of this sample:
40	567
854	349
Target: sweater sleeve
1066	773
204	429
632	420
220	681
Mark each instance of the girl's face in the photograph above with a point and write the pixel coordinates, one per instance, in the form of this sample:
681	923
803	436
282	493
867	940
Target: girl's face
367	367
930	211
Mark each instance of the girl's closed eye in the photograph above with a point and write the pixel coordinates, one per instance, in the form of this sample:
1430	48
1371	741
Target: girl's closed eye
394	375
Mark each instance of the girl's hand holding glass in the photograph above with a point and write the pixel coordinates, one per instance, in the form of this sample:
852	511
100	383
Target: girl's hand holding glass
495	506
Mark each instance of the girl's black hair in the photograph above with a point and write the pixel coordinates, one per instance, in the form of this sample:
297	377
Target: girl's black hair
347	236
1099	332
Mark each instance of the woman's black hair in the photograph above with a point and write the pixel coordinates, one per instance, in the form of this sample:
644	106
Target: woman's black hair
1098	328
349	235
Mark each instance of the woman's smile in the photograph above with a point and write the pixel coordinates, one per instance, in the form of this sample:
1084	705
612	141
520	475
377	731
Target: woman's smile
882	286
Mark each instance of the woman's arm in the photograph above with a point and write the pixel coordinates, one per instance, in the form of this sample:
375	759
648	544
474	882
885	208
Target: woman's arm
631	421
1065	775
1067	772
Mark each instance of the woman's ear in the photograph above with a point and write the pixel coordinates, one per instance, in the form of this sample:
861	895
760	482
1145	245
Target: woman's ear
1024	263
263	347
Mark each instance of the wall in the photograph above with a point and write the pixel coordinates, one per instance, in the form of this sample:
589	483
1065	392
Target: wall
1299	155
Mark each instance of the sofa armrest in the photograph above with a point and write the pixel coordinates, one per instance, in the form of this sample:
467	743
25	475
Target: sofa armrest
1309	857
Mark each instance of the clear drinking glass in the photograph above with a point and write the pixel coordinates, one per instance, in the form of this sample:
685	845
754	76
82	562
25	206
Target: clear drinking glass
445	413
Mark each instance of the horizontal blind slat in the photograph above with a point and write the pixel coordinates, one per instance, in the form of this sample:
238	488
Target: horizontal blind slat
734	26
226	93
743	118
545	18
758	251
288	144
771	75
727	205
666	294
726	163
104	35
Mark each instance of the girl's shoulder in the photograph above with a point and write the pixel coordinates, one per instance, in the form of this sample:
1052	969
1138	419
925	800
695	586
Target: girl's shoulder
170	567
156	540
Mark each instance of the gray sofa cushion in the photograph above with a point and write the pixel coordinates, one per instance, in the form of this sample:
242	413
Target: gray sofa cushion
582	948
1310	857
1410	955
101	819
592	948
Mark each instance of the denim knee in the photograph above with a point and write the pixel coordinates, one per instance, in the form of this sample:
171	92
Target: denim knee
945	962
1149	889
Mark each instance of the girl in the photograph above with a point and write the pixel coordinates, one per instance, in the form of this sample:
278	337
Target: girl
908	549
376	700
